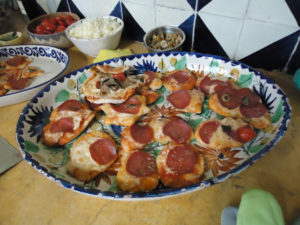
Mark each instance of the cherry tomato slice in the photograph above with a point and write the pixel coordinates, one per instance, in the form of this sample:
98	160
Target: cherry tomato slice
246	133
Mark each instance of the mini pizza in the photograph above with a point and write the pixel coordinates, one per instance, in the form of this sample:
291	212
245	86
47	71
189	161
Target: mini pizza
240	103
225	133
151	96
179	80
17	61
137	136
125	114
91	154
179	165
187	101
110	87
67	121
171	129
138	172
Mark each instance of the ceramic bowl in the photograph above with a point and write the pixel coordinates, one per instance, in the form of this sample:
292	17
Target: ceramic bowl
165	30
59	40
92	46
11	38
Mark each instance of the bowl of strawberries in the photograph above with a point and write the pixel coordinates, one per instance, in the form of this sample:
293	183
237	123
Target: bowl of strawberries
49	29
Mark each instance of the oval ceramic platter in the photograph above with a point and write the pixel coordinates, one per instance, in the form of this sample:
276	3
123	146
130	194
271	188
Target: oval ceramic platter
52	61
220	165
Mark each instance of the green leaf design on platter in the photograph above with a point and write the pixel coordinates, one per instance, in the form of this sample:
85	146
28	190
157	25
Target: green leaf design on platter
54	149
181	64
255	148
66	157
206	112
161	90
245	80
62	96
82	78
159	100
219	117
214	64
57	174
114	187
278	113
195	123
31	147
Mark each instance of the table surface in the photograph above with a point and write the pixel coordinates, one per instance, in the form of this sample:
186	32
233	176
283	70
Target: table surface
27	197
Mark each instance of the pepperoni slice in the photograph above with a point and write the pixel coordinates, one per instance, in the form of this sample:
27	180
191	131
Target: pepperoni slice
98	84
181	159
141	164
151	75
228	97
253	111
131	106
103	151
180	76
70	105
62	125
248	97
178	130
141	134
16	61
179	99
234	134
206	83
207	130
18	84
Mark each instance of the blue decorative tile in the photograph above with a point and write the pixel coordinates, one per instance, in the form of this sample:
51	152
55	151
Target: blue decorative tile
202	3
117	11
294	6
132	29
192	3
33	9
205	42
69	6
274	56
187	27
294	63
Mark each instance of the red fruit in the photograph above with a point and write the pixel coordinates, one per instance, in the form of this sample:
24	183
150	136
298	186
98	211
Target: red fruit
246	133
59	28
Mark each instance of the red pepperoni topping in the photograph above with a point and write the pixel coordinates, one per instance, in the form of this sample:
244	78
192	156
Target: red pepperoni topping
141	164
181	159
62	125
179	99
151	75
206	83
248	97
180	76
103	151
178	130
228	97
207	130
141	134
18	84
70	105
16	61
253	111
131	106
98	84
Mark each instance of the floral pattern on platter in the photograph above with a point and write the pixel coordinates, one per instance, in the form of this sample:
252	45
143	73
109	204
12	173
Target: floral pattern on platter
220	164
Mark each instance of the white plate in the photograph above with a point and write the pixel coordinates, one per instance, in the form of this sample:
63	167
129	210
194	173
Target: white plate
51	60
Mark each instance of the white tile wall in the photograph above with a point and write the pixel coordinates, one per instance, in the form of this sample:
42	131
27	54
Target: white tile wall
169	16
257	34
95	7
178	4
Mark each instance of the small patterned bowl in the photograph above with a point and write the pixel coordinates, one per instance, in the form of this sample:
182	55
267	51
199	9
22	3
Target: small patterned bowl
59	40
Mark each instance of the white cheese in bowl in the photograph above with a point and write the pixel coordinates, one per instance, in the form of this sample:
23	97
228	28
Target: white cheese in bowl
92	28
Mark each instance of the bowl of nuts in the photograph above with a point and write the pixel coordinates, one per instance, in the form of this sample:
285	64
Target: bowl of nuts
164	38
